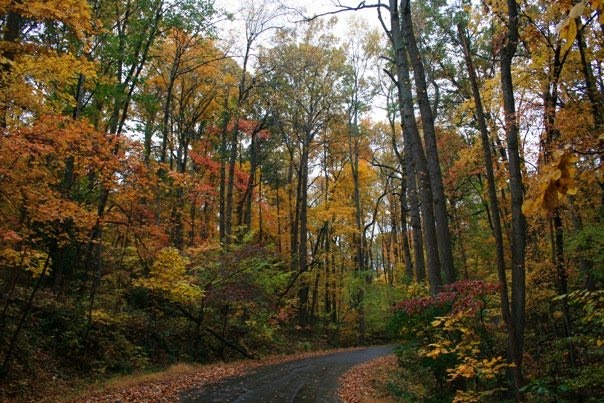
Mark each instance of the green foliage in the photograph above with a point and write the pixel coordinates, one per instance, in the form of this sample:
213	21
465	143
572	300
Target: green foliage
588	243
415	380
453	336
192	16
557	377
378	300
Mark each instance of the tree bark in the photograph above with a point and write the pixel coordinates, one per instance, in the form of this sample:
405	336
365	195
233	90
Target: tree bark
414	148
506	311
516	193
409	187
26	310
439	200
11	34
301	201
409	268
596	98
222	179
228	210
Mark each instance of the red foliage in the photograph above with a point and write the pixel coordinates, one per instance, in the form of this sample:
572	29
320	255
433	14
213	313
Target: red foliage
264	134
250	128
415	306
470	294
205	161
463	295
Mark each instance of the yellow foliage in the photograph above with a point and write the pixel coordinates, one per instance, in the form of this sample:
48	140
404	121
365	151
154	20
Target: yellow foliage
40	78
554	182
100	316
74	13
466	397
37	263
34	77
10	257
464	370
467	351
168	276
567	28
33	261
437	322
436	349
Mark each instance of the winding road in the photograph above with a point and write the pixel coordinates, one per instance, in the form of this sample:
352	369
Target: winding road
307	380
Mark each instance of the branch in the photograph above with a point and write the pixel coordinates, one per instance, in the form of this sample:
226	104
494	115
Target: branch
340	9
375	209
226	342
391	76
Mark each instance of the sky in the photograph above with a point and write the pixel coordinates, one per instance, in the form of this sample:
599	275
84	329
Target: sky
310	8
232	35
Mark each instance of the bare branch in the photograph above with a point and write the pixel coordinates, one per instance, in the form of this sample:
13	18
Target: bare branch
340	8
391	76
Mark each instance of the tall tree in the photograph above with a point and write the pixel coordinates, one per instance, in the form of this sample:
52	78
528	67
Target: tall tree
304	75
42	50
259	17
430	144
492	192
413	146
358	95
518	298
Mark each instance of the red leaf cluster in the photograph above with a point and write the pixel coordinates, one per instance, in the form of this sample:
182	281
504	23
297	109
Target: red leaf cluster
463	295
415	306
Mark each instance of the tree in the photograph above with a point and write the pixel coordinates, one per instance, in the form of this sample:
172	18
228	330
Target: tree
258	18
303	74
430	145
518	298
34	62
493	205
414	147
358	95
192	86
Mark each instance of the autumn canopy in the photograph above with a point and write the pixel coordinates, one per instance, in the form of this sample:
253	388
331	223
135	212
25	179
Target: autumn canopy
181	182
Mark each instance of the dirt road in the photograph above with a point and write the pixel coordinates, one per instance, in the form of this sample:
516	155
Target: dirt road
308	380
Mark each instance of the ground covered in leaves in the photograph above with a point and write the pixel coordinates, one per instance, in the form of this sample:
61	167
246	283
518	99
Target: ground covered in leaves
166	386
368	383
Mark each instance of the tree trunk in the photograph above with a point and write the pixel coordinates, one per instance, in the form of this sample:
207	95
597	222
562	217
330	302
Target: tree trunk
301	201
222	190
596	98
11	34
433	163
26	310
506	312
410	182
167	110
404	233
414	148
516	193
228	211
294	213
359	237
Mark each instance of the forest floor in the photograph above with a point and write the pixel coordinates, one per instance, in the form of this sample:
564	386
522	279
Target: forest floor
359	373
369	382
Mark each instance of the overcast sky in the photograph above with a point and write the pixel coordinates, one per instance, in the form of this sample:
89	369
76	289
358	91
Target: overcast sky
310	8
232	35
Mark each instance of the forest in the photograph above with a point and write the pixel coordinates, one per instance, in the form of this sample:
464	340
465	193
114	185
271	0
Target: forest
192	181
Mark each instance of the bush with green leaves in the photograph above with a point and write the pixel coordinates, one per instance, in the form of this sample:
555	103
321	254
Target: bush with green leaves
453	337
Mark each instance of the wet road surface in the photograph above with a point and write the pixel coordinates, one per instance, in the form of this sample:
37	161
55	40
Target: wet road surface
307	380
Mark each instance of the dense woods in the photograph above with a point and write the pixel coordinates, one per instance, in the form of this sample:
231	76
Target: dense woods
173	191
